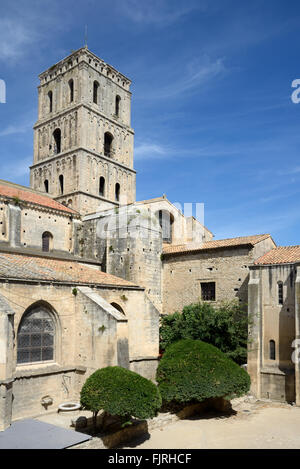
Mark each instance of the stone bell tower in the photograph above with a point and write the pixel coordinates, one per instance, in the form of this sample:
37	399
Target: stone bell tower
83	141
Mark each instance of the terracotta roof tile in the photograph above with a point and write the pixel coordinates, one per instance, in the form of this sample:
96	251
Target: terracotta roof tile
28	195
280	255
20	266
215	244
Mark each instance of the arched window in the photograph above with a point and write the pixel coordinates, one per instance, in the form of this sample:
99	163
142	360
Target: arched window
117	110
47	241
117	192
165	220
46	185
95	92
108	139
101	186
36	337
280	293
118	307
272	350
50	97
57	141
61	184
71	89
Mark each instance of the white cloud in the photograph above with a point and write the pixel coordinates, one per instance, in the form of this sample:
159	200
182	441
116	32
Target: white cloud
201	71
150	150
15	129
14	37
160	12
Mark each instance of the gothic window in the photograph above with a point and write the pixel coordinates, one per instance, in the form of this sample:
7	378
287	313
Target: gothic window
50	97
118	307
165	221
47	241
117	111
108	139
36	337
272	350
117	192
46	185
95	92
101	186
280	293
57	141
208	291
71	89
61	184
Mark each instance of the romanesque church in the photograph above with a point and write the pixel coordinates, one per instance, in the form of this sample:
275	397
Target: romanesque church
86	270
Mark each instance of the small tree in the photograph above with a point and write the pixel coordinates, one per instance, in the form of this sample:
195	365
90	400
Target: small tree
191	370
225	326
120	392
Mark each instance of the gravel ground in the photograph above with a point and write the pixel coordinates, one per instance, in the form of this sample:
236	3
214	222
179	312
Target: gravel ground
253	425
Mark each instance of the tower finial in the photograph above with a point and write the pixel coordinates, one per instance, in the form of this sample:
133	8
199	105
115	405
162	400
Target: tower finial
86	36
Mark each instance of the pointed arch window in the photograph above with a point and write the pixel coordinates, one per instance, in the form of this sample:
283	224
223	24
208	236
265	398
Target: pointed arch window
36	337
108	140
46	185
117	192
95	92
57	141
165	221
71	90
61	184
47	241
101	186
117	109
272	350
50	98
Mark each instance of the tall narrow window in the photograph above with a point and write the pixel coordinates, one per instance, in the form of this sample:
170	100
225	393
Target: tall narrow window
95	92
165	221
108	139
47	240
50	97
117	192
272	350
117	111
61	184
280	293
57	141
71	89
46	185
36	337
101	186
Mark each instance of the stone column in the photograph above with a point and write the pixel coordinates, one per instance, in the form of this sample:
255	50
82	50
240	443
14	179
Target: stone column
297	336
255	330
6	363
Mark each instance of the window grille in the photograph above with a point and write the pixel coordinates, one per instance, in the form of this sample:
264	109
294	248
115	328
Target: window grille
36	337
208	291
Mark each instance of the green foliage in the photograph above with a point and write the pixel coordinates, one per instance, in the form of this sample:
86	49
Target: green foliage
75	291
120	392
191	370
224	326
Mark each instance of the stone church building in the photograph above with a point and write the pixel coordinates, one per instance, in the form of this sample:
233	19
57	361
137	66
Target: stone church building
86	270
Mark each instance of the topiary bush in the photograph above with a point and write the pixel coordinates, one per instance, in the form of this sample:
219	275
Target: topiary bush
120	392
191	370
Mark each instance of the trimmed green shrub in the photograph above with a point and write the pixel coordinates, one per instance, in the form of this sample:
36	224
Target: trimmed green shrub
225	326
191	370
120	392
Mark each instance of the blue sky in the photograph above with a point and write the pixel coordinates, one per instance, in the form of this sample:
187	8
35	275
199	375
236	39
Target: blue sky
212	111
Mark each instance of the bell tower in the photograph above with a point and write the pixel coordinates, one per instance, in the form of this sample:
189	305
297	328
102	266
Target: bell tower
83	141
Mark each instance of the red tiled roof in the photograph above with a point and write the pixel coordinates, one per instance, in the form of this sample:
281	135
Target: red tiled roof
28	195
280	255
215	244
20	266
